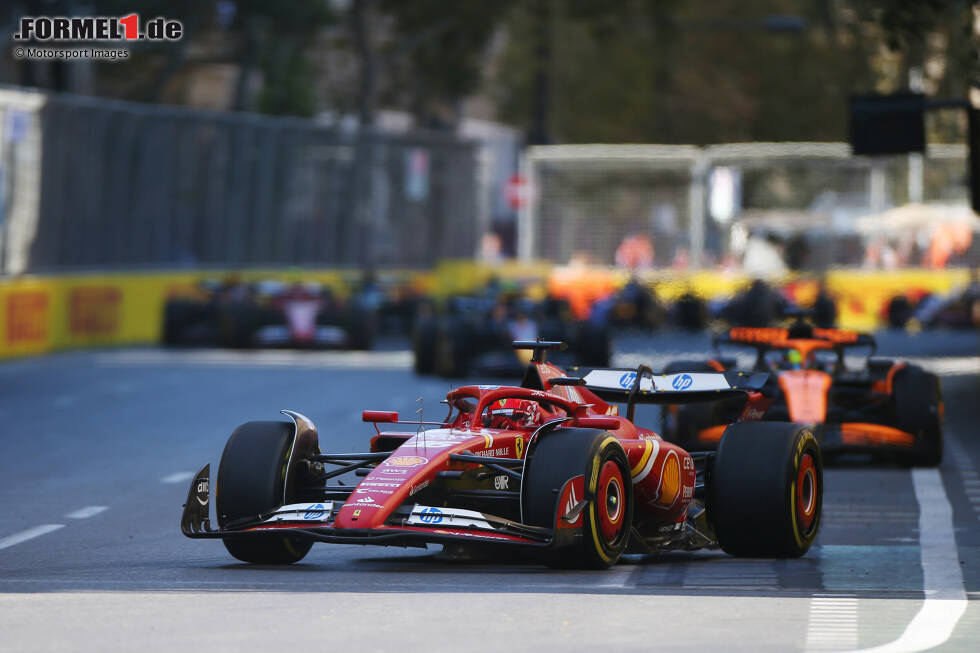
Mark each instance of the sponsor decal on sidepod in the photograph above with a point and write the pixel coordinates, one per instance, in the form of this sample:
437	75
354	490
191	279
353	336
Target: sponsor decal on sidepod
405	461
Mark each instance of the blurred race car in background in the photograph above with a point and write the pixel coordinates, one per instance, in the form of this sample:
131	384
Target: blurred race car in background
634	306
762	305
759	304
829	380
474	335
548	468
957	309
270	314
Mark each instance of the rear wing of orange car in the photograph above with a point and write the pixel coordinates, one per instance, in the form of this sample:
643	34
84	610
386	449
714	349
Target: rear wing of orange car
774	337
802	337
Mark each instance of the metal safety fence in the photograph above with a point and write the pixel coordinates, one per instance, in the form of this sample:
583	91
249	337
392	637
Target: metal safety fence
92	183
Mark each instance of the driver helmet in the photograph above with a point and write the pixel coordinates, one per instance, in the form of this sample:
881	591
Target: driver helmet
521	411
794	358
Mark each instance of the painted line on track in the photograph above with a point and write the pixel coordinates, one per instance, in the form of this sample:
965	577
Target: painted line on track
86	512
177	477
620	576
942	579
288	358
29	534
948	365
833	623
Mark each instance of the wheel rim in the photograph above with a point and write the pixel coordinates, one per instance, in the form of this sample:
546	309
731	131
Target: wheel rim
807	491
611	501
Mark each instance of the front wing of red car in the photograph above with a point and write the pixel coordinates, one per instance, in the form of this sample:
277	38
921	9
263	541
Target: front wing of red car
409	525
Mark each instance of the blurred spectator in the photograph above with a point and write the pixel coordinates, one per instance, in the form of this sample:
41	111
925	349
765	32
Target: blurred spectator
635	253
682	259
491	248
879	255
763	256
824	307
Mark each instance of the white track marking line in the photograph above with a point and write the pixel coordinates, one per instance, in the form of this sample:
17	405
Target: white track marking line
833	623
29	534
262	358
619	576
177	477
942	579
86	512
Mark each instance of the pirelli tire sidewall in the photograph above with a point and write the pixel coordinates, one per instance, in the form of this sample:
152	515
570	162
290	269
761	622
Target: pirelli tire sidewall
559	456
917	404
252	480
765	496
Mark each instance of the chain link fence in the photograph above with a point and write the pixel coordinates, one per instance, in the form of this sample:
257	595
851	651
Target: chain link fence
808	205
123	185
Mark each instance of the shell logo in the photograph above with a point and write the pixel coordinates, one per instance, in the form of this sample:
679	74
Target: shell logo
406	461
670	482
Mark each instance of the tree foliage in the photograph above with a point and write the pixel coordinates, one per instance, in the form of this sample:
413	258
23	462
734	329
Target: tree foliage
438	53
730	70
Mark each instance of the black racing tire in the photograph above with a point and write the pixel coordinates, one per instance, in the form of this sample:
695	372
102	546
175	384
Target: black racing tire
594	345
690	313
177	316
361	326
424	345
900	311
561	455
766	490
251	481
916	402
237	324
453	351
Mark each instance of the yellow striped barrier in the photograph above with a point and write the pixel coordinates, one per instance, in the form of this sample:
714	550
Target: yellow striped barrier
42	314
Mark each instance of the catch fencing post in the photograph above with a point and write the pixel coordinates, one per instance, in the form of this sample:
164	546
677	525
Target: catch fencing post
696	202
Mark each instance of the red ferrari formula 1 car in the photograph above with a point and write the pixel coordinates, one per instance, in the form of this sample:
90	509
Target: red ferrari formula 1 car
871	406
548	467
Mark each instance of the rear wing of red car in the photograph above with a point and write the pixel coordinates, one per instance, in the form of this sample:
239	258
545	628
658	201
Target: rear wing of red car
642	386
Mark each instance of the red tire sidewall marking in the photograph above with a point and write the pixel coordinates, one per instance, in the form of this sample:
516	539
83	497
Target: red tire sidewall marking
806	502
610	480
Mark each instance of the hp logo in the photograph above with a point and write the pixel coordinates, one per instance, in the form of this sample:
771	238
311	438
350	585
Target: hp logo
626	380
682	382
316	511
431	515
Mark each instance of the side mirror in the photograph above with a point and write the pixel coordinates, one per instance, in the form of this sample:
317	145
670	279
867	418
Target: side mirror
566	380
380	416
602	423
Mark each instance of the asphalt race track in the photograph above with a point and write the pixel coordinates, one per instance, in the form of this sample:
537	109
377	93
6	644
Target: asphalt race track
97	448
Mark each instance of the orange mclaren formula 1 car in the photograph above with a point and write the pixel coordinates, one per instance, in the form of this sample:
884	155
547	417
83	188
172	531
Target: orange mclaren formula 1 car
827	379
548	467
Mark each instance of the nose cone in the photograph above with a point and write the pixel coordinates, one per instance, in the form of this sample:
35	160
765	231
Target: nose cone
383	490
806	395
